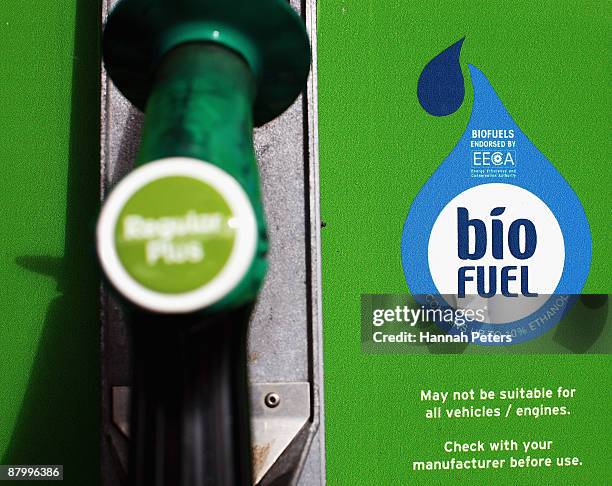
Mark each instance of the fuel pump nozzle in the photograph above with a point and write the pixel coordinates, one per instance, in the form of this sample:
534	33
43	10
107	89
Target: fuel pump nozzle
182	237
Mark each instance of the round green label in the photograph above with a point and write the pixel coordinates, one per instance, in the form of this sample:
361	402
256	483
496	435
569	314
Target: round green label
175	234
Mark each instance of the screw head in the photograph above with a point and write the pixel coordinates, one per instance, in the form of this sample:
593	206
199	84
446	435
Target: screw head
272	400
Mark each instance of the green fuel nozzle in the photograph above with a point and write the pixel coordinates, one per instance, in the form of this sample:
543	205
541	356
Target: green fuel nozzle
185	230
182	237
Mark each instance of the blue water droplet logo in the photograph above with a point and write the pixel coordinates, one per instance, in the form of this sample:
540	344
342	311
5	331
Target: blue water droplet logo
441	89
497	219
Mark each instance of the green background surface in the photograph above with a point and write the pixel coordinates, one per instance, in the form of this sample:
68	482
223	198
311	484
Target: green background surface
549	62
49	186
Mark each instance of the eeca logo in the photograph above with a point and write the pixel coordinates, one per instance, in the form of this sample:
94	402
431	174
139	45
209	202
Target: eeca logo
485	158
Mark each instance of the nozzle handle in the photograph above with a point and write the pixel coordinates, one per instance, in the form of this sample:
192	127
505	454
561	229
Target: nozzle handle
190	404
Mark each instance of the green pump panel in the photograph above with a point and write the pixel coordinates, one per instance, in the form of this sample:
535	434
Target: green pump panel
232	232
